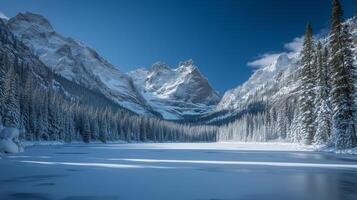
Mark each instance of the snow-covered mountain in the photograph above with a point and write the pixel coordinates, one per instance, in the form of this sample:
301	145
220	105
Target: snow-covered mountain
76	62
274	85
171	93
176	93
11	49
234	98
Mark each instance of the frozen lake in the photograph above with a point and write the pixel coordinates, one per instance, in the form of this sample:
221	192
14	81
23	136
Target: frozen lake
204	171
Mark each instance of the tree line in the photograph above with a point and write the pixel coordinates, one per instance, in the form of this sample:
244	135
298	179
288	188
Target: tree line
322	109
37	104
328	101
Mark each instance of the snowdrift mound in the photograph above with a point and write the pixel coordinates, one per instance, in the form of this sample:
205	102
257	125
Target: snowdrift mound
9	140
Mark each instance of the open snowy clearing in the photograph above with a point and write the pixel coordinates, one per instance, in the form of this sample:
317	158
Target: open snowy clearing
199	171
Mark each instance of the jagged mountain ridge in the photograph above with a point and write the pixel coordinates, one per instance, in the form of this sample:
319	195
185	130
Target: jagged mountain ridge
176	93
13	48
272	85
233	99
76	62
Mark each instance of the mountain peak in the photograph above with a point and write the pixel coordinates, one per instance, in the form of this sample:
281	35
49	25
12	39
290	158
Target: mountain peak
159	66
33	20
283	58
176	93
280	62
186	63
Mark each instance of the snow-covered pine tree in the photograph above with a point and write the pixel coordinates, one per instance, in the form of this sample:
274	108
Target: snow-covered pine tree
143	130
33	119
282	123
27	104
42	129
3	70
86	129
12	104
295	131
343	82
323	107
308	91
103	129
69	128
94	127
53	116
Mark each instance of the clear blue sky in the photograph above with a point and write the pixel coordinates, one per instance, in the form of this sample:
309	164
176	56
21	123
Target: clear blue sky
221	36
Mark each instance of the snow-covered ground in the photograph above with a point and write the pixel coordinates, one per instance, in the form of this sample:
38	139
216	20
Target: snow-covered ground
170	171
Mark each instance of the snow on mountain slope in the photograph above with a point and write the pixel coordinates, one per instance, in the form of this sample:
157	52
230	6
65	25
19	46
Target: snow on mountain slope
76	62
176	93
274	84
274	81
232	99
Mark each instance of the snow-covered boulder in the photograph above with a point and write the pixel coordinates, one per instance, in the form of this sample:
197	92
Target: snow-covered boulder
9	140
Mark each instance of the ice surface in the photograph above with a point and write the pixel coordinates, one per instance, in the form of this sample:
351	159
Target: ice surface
177	171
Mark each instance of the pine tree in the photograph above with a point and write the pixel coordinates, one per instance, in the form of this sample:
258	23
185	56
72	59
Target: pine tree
27	104
94	128
308	91
295	131
12	105
3	69
323	106
103	130
42	132
86	130
53	116
343	82
282	123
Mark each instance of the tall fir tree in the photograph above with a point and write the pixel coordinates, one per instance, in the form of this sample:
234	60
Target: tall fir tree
323	107
308	91
53	115
103	129
3	70
12	104
27	104
86	134
42	129
343	82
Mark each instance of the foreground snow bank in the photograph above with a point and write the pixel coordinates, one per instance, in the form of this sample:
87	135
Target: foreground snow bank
9	141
